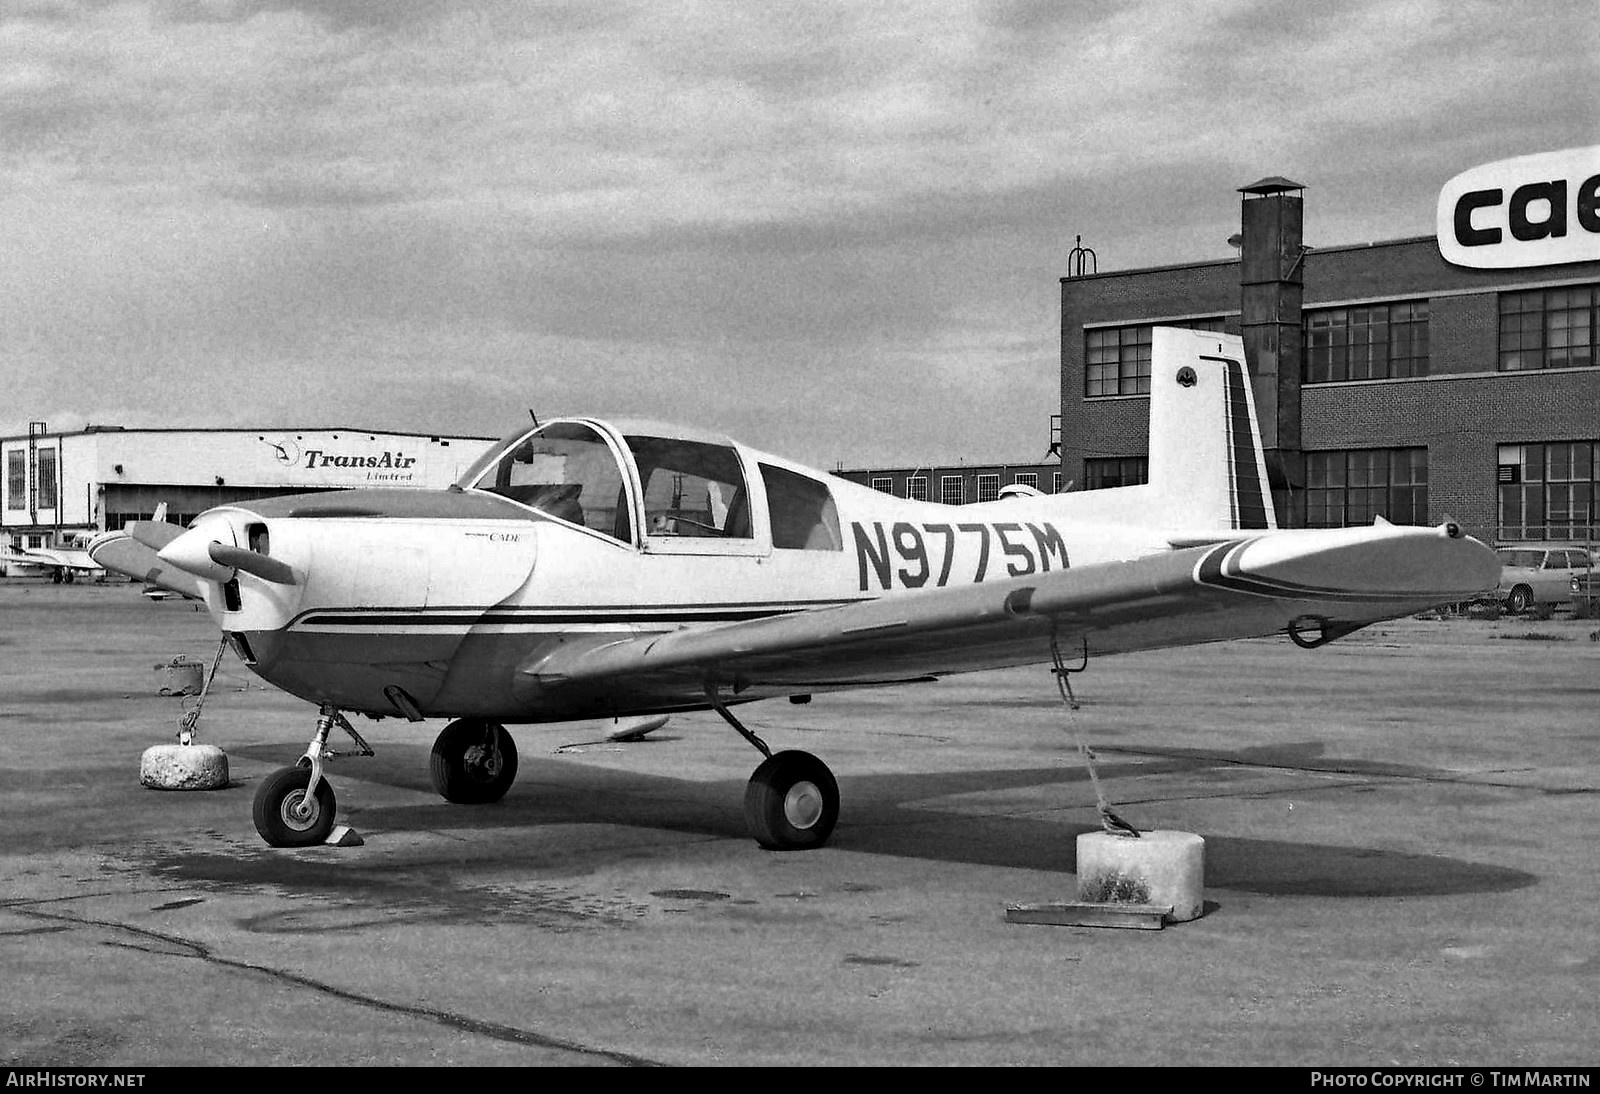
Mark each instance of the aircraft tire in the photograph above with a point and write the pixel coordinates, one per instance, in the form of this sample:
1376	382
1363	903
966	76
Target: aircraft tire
278	794
474	762
792	802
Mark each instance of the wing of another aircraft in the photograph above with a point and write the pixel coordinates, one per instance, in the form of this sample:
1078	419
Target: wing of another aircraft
1312	584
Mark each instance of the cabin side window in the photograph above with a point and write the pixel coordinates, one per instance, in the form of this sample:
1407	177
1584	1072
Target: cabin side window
803	514
565	470
691	489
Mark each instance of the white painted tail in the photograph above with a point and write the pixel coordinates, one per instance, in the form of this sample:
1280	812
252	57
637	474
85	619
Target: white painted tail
1206	468
1206	464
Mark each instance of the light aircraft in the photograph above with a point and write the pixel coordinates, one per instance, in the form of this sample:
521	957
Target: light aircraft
582	569
64	564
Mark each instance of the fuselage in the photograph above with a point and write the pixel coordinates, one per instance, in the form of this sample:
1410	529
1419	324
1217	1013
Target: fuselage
426	603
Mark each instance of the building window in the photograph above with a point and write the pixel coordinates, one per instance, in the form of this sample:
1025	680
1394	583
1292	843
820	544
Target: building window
1345	489
1026	478
988	487
1116	360
48	486
16	479
1056	486
950	491
1101	474
883	484
1547	491
917	488
1377	342
1548	328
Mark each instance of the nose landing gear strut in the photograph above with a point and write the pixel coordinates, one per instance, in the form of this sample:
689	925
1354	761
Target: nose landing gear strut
295	806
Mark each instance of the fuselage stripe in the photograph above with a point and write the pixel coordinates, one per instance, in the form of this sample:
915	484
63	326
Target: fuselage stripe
455	616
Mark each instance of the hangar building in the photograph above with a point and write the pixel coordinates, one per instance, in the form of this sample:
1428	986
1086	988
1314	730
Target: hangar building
61	485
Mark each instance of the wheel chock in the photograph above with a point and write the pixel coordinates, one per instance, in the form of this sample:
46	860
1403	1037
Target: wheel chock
183	767
344	836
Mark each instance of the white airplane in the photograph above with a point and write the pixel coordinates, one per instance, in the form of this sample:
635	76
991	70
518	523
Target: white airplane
584	570
63	564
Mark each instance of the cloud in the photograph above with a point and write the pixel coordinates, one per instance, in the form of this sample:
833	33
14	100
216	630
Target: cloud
836	226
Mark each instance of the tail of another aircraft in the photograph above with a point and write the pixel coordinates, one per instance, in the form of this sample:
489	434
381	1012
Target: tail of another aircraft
1206	467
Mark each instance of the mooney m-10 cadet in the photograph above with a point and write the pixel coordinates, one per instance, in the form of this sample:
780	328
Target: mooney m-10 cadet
582	569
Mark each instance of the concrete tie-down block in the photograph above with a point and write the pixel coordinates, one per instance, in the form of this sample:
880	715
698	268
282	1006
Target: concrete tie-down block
1159	868
183	767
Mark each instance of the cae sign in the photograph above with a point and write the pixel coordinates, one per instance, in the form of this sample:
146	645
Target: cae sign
1539	210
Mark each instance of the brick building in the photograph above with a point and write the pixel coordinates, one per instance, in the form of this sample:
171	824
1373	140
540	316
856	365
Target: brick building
1390	383
957	484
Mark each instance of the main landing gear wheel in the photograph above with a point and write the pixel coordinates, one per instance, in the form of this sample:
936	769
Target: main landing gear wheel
792	802
474	762
284	814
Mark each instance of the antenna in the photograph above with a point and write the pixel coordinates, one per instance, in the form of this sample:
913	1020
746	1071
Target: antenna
534	416
1081	259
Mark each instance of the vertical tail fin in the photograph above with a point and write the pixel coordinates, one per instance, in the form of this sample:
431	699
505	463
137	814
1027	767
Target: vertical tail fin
1207	469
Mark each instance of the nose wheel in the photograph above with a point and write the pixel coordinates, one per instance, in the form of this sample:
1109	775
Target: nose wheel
287	815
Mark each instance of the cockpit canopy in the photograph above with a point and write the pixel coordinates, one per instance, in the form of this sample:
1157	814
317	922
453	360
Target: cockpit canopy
636	483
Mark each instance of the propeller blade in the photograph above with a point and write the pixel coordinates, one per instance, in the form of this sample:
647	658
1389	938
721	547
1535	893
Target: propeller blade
154	534
241	558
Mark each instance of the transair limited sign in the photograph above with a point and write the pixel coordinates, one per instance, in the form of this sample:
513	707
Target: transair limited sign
1539	210
353	462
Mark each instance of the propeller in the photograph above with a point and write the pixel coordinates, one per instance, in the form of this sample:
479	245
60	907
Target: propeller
196	551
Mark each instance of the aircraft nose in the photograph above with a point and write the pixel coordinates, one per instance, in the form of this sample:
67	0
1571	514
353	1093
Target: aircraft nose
191	551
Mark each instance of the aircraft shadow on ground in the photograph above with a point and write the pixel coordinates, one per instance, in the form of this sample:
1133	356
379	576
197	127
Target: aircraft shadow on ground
891	814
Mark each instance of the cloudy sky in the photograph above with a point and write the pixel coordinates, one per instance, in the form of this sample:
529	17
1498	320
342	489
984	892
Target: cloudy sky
834	230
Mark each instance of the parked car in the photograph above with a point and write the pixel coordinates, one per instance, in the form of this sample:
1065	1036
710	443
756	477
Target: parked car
1539	574
1586	594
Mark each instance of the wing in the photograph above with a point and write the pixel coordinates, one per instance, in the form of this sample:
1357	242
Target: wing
1325	583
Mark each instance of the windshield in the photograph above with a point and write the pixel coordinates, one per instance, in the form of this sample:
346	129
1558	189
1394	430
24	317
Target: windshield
565	470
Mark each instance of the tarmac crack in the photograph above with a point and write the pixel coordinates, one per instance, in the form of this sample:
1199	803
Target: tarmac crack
152	941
